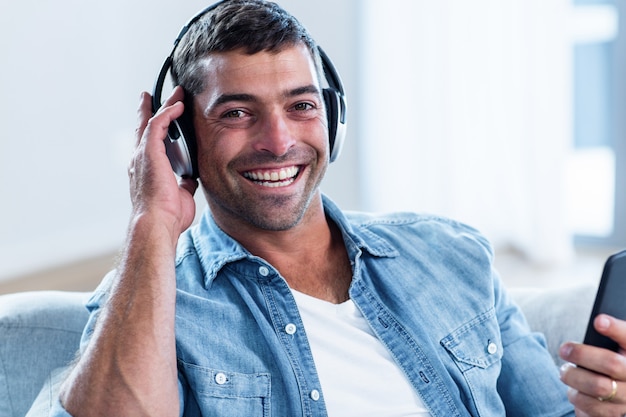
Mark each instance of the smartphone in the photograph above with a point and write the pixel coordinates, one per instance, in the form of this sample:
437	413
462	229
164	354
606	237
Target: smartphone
610	299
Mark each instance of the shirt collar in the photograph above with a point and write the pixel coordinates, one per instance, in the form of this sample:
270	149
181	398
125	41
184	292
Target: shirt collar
215	248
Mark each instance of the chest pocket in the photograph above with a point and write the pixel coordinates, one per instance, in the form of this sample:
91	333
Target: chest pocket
476	348
221	393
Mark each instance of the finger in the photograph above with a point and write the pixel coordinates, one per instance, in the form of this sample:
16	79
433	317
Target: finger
587	406
611	327
176	95
596	386
158	125
598	360
144	112
171	110
150	133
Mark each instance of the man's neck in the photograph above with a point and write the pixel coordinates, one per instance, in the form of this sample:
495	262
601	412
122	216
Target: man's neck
311	256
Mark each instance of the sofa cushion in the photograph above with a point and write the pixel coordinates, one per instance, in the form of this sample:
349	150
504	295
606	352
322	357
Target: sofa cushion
39	331
561	314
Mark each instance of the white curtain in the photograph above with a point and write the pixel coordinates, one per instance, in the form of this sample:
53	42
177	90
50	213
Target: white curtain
467	114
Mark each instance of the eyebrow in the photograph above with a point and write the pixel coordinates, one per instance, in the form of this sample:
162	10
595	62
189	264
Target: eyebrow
225	98
250	98
307	89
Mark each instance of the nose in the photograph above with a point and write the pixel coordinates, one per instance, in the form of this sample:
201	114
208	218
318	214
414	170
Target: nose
275	136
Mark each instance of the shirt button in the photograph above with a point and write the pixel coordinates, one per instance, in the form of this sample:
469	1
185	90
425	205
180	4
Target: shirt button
220	378
492	348
264	271
315	395
290	328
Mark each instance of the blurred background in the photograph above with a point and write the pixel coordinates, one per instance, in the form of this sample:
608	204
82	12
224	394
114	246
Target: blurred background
505	114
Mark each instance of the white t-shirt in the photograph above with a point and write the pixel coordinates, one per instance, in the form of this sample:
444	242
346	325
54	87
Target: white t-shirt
359	377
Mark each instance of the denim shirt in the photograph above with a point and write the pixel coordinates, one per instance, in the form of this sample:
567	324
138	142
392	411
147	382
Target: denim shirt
425	285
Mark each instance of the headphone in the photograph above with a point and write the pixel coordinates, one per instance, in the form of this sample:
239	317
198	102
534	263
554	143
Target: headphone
180	143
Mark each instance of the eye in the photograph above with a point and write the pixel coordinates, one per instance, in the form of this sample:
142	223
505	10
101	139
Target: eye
233	114
304	106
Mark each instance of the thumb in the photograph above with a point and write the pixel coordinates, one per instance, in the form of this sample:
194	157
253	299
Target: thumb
612	328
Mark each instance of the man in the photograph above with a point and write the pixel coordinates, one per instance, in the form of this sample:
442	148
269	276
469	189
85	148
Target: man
278	303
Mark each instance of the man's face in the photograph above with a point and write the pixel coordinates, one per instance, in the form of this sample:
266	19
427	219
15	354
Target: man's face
262	137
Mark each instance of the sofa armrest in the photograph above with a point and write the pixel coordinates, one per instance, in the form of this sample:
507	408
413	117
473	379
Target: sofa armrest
39	332
561	314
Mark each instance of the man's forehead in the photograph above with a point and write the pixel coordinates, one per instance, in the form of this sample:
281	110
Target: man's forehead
237	72
296	59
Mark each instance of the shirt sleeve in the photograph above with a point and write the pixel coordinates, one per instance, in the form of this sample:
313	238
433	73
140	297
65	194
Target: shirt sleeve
47	402
529	382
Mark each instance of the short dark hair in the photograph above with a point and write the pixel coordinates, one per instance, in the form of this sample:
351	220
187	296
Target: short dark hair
250	25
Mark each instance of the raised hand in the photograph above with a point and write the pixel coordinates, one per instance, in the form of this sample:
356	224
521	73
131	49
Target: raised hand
154	188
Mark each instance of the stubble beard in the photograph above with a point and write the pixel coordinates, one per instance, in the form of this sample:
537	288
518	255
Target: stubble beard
271	212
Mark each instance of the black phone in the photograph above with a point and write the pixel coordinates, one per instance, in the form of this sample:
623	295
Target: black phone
610	299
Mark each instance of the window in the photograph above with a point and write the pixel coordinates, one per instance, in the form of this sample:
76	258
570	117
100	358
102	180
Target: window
596	164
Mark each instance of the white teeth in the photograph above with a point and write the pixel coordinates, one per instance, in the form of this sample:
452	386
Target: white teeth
281	178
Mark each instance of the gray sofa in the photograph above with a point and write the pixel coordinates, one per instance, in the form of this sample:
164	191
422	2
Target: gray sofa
40	333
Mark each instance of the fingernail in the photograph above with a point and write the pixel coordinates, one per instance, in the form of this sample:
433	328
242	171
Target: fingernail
602	323
564	368
566	350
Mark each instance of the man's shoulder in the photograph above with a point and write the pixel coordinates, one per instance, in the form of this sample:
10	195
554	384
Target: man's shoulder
406	220
402	228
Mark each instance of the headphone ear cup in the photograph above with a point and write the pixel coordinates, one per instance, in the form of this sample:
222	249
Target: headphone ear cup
336	121
331	101
181	148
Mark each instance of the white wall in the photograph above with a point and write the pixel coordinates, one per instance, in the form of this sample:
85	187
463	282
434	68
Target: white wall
481	116
70	82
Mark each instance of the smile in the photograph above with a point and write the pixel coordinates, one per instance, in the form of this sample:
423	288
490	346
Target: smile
277	178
